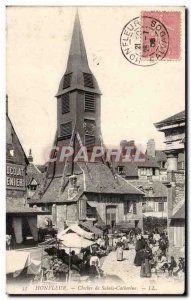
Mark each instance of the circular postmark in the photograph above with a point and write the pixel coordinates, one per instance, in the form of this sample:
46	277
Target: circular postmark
144	41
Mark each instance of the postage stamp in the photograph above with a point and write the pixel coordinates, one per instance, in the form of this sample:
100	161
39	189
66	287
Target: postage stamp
152	37
163	35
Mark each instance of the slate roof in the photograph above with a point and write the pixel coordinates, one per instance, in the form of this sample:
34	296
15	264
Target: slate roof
131	168
94	178
103	180
42	168
13	141
52	192
34	173
16	206
159	189
179	117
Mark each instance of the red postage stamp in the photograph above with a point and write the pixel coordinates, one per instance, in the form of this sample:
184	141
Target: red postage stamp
161	37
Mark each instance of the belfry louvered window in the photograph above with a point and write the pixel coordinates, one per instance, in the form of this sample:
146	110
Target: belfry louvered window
67	80
89	140
65	103
66	130
89	101
88	80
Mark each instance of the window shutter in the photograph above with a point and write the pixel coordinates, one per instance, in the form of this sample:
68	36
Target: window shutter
65	103
88	80
67	80
89	140
89	101
66	130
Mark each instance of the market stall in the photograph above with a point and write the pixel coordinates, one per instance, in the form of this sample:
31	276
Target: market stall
78	230
72	241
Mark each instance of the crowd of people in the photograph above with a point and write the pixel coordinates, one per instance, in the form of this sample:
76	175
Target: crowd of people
151	256
152	253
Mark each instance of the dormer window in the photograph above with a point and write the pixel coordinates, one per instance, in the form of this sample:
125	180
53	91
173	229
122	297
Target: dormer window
120	170
67	80
140	187
89	101
88	80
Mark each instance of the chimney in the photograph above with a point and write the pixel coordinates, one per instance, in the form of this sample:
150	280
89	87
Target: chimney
151	147
124	144
30	158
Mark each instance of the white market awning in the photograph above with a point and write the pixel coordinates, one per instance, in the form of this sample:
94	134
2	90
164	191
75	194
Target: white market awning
78	230
16	261
72	241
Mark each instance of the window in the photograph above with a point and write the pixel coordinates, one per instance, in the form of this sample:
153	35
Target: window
88	80
89	101
163	164
161	206
33	187
120	169
134	208
91	212
181	165
89	140
65	103
66	130
67	80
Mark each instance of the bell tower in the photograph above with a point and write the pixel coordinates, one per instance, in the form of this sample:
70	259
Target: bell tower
78	96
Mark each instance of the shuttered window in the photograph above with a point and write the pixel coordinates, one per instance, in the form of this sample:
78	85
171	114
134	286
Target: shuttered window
88	80
67	80
89	140
65	103
66	130
89	101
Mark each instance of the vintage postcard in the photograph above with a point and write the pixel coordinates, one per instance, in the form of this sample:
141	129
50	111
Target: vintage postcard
95	150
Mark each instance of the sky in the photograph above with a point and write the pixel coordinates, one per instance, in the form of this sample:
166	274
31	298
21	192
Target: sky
133	97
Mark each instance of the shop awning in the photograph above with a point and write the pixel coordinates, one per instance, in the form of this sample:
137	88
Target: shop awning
156	214
92	203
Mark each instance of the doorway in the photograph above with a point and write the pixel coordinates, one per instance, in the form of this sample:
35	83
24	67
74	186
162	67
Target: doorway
111	215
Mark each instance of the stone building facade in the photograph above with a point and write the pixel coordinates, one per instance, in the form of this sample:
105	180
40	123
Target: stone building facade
21	220
174	130
148	176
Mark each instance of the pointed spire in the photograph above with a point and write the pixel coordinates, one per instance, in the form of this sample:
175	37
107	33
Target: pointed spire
77	64
77	56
